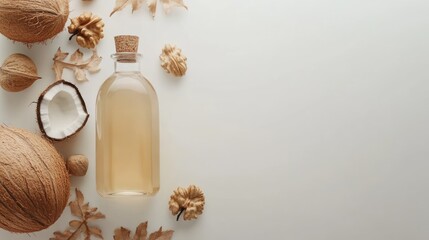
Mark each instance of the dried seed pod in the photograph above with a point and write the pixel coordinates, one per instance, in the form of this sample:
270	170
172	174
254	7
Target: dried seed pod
18	72
77	165
88	28
190	200
173	61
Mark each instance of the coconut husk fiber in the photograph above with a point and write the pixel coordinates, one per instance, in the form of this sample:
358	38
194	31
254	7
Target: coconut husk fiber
31	21
34	182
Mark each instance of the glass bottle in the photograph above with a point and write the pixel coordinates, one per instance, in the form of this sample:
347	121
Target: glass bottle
127	127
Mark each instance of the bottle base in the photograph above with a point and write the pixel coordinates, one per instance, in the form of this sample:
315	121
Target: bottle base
128	193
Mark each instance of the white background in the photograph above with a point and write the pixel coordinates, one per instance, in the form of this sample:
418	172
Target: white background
300	119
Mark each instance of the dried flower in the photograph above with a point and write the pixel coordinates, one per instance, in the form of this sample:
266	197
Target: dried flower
190	200
173	61
88	28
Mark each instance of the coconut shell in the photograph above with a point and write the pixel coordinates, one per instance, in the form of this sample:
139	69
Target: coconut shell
31	21
34	183
39	114
17	73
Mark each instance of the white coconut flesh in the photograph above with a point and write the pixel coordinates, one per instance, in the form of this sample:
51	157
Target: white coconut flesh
61	110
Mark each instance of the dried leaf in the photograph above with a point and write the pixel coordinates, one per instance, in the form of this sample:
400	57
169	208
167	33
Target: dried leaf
120	4
151	4
75	224
61	235
74	209
136	4
76	57
167	4
77	64
166	235
81	210
93	64
122	234
141	234
96	232
96	216
60	55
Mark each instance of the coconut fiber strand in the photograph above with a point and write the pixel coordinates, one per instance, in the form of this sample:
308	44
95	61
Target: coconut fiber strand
31	21
34	183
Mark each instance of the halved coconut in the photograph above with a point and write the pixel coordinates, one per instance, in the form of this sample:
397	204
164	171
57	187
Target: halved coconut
61	111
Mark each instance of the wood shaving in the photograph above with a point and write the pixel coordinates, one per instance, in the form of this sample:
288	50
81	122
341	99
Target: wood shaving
77	64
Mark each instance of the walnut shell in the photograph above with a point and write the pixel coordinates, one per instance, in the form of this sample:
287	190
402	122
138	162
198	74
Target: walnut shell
190	200
88	28
173	61
18	72
77	165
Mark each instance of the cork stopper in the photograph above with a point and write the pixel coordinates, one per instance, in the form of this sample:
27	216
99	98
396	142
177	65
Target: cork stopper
126	43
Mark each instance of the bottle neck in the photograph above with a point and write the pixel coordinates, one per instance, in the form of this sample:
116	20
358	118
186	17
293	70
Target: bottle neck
127	62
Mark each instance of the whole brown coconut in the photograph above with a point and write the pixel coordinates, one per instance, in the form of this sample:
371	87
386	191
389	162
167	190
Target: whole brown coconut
31	21
34	183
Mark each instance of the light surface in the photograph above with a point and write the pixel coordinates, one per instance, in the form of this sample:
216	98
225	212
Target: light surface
301	120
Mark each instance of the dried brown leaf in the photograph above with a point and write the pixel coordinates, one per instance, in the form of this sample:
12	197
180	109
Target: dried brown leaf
84	212
141	234
96	216
74	209
122	234
75	224
167	4
120	4
77	64
59	55
96	232
151	4
61	235
136	4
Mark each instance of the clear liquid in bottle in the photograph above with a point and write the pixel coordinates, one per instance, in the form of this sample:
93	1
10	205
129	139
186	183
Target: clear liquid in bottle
127	132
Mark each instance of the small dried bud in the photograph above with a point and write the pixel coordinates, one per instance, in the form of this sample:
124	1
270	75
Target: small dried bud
77	165
173	61
190	200
88	28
